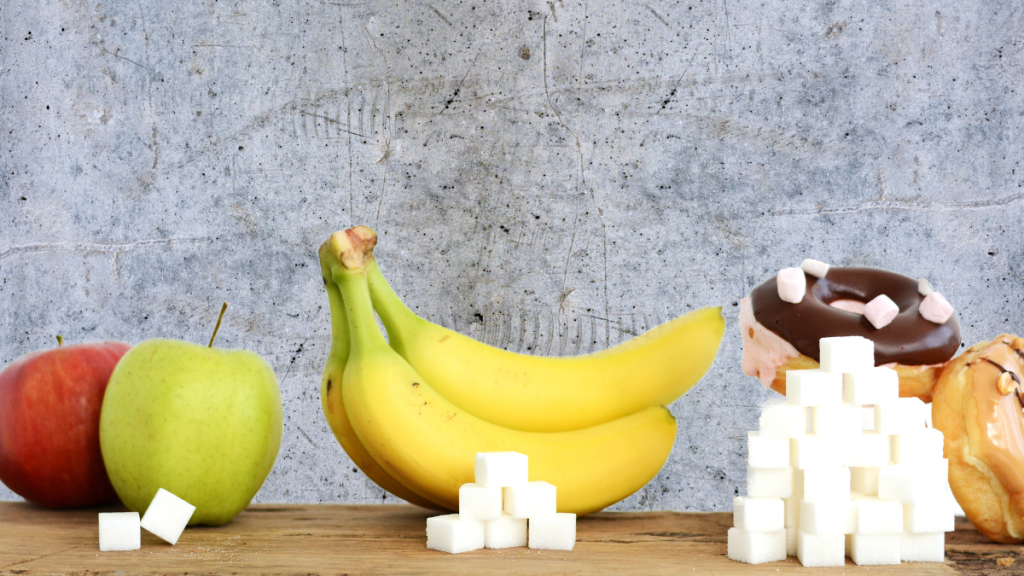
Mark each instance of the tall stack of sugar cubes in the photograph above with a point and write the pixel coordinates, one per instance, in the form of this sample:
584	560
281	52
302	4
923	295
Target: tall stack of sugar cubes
503	509
844	467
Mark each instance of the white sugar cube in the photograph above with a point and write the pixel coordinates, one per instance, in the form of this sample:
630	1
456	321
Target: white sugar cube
479	502
920	447
835	420
867	418
900	416
769	482
791	533
167	516
846	354
452	534
501	469
756	547
815	268
869	450
792	506
813	388
783	421
864	480
828	517
871	386
820	550
826	484
810	450
923	547
876	516
530	500
914	484
556	532
766	451
875	549
504	532
119	531
758	514
926	518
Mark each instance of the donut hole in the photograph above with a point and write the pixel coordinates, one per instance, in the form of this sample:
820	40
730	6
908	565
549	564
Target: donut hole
849	305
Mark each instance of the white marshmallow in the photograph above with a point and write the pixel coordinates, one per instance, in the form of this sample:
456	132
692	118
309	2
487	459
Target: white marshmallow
875	549
871	386
479	502
783	421
914	484
504	532
767	452
868	450
813	388
769	482
815	268
530	500
758	514
865	480
120	531
828	517
792	285
881	311
926	518
811	450
556	532
167	516
919	447
923	547
924	287
900	416
500	469
836	420
826	484
756	547
875	516
935	308
452	534
844	354
820	550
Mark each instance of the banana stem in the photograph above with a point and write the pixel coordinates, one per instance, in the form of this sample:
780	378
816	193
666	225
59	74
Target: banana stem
396	316
362	324
339	319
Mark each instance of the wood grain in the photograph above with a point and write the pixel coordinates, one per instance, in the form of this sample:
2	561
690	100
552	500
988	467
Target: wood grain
331	539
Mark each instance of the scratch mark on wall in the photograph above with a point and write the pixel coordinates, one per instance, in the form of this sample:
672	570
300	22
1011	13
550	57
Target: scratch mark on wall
909	206
439	15
93	247
458	88
656	15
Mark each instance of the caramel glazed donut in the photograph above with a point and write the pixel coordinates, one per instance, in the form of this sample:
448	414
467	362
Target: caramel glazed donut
979	407
780	335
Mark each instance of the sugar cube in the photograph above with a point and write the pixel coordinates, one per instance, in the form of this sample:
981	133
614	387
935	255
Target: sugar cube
501	469
927	547
871	386
783	421
820	550
758	514
479	502
530	500
875	549
505	532
769	482
835	420
827	517
900	416
556	532
920	447
927	517
875	516
864	480
167	516
868	450
846	354
826	484
767	452
756	547
811	450
792	506
452	534
791	533
913	484
867	418
813	388
119	531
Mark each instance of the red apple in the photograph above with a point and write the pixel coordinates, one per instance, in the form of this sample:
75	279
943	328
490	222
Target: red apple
49	424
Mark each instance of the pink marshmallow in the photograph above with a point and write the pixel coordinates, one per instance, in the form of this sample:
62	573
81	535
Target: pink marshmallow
881	311
792	285
935	308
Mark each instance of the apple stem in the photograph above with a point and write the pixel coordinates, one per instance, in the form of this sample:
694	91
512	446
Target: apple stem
60	340
217	327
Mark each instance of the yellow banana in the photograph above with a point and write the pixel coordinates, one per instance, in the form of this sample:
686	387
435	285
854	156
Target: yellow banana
429	444
551	394
333	403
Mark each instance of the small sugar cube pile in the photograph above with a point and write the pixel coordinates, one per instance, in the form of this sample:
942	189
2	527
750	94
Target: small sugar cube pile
503	509
867	480
166	517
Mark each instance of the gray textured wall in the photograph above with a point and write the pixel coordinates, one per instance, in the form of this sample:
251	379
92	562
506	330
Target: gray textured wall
570	172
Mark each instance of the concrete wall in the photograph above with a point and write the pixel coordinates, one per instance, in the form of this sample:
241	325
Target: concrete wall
545	176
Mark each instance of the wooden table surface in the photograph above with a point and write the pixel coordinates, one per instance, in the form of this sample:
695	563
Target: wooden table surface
327	539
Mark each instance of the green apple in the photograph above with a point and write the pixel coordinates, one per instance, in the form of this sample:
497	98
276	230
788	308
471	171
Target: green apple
203	423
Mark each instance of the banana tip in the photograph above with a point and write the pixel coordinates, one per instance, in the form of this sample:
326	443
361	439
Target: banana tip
352	248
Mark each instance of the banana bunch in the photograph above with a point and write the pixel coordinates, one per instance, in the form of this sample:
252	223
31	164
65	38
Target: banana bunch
412	411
